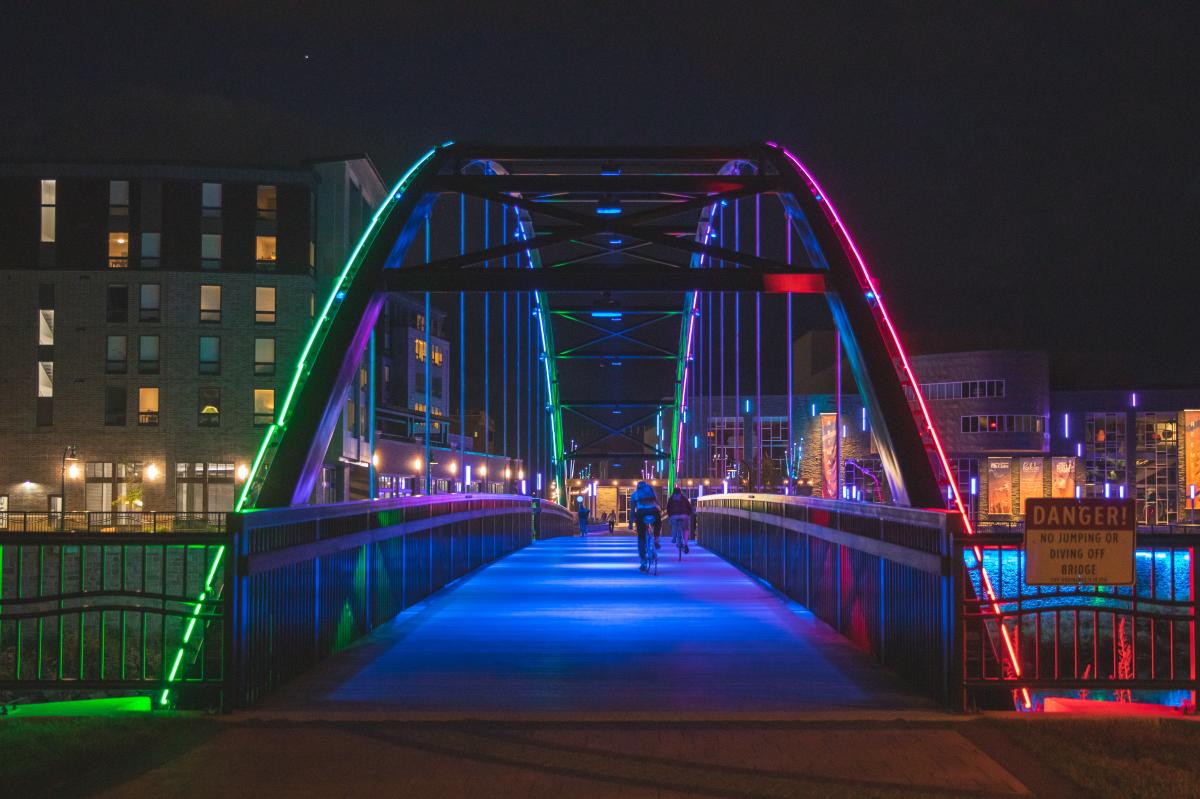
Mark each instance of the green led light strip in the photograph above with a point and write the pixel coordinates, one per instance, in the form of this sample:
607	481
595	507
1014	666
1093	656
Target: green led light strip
320	329
689	309
195	617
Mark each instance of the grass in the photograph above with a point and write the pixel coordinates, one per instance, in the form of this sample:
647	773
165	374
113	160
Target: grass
1151	757
82	755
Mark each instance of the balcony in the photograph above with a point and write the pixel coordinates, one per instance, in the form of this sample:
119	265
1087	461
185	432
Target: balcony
148	419
118	263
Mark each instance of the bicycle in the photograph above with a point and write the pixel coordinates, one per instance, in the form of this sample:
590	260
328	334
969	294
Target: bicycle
647	525
679	535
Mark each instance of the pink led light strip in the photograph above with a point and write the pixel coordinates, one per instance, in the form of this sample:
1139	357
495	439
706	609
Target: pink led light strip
865	277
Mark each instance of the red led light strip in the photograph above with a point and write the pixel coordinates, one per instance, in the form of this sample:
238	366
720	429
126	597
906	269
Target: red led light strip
869	283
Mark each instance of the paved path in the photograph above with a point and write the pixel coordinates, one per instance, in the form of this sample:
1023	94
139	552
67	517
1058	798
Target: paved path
571	626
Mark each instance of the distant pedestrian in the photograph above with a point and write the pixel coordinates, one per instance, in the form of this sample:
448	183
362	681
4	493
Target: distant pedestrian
612	521
582	511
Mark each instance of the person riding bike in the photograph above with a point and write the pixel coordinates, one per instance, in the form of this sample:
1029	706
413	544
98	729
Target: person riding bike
646	514
679	512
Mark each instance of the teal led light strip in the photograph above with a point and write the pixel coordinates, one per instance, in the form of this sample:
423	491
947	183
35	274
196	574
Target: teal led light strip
320	328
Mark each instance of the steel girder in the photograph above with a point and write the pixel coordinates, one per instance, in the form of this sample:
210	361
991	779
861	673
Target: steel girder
646	245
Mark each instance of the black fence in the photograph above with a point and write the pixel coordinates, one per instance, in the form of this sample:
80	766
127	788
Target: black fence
1123	644
111	522
219	618
110	611
877	574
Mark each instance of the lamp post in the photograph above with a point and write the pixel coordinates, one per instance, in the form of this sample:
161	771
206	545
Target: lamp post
68	456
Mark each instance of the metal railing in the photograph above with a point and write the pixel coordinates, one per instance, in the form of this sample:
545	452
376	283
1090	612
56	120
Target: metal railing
1132	643
108	611
313	579
875	573
111	522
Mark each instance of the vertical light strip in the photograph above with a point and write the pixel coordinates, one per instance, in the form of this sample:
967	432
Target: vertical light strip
865	277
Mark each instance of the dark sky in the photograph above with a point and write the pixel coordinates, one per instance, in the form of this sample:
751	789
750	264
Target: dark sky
1018	174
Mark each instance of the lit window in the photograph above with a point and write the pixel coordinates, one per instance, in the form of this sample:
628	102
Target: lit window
148	406
210	355
118	250
116	355
419	348
264	304
312	255
210	250
264	406
264	356
437	355
46	327
268	202
148	355
49	209
118	198
264	250
151	250
208	407
45	379
150	303
210	199
210	303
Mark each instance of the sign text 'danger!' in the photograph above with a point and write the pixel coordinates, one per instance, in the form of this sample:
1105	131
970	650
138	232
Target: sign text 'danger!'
1079	541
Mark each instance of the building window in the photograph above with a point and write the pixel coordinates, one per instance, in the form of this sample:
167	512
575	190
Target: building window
419	349
118	198
45	379
268	202
264	406
437	355
114	406
210	200
264	251
210	355
150	303
208	407
1104	452
148	406
204	487
1003	423
147	355
112	486
959	389
46	327
117	304
264	357
116	355
264	305
210	251
49	210
151	250
118	250
210	303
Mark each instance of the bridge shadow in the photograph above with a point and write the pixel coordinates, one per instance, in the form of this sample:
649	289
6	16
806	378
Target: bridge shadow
570	626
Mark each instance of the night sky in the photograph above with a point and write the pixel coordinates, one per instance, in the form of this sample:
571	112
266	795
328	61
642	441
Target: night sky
1017	174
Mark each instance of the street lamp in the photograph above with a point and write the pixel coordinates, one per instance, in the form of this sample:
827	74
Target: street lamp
68	456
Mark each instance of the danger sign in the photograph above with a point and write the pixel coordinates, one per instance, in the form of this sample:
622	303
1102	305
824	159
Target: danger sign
1079	541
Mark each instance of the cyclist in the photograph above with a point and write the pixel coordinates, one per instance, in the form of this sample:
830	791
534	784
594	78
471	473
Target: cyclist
647	514
679	512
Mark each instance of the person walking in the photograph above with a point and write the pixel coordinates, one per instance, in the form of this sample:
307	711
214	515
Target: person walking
647	515
612	521
679	513
582	511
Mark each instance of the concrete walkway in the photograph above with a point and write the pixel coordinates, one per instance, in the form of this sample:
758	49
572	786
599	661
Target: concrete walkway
570	626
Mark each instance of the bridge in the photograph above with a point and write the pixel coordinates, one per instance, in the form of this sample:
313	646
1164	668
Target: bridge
613	286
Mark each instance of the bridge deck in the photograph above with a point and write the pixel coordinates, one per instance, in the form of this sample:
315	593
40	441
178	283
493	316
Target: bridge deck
571	626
